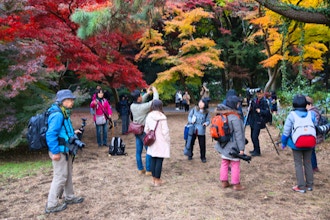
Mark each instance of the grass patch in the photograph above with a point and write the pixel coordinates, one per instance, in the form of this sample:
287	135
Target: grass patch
19	170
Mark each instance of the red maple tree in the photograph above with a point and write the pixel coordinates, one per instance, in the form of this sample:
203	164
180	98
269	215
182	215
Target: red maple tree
105	57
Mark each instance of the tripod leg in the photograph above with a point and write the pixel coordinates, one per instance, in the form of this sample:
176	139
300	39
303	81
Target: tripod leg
272	140
247	114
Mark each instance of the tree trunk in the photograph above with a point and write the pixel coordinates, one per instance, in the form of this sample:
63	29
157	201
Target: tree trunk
296	14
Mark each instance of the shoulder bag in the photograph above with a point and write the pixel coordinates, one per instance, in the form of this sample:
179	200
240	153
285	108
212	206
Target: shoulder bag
135	128
150	137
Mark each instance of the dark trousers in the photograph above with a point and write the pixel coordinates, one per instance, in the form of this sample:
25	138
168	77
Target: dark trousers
186	108
156	166
255	131
125	123
202	145
314	160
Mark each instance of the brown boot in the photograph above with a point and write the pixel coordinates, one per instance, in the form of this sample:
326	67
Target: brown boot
238	187
225	184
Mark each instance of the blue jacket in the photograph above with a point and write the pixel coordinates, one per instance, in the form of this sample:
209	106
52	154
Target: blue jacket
201	118
58	127
287	129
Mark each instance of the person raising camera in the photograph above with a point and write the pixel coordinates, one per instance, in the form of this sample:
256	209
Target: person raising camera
140	109
257	118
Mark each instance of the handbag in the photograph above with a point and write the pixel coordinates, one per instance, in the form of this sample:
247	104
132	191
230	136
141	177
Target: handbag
150	137
135	128
100	119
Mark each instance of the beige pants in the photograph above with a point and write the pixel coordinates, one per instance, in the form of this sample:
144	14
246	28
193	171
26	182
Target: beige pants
62	180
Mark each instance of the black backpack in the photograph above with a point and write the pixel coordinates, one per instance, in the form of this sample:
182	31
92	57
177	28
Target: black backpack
117	147
37	128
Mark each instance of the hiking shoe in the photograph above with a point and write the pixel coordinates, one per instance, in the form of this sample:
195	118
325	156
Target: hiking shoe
140	172
189	158
148	173
204	160
225	184
309	188
297	189
238	187
59	207
74	200
254	154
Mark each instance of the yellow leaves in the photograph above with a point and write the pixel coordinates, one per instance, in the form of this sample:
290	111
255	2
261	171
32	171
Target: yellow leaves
274	40
262	21
201	60
150	37
306	3
271	61
316	32
314	50
149	41
184	22
198	44
317	65
270	19
189	56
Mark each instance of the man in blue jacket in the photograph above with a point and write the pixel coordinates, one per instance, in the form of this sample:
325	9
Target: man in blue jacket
60	132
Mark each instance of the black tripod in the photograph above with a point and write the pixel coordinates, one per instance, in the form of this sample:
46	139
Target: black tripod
245	122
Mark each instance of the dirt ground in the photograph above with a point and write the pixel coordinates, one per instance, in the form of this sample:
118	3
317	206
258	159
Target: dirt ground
113	189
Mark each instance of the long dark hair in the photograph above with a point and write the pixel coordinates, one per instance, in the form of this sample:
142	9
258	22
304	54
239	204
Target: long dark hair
157	105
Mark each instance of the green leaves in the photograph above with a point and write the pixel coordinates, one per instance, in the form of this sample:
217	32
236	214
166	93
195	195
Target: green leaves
90	22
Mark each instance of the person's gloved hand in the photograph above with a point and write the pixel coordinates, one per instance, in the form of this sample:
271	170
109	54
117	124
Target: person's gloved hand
283	147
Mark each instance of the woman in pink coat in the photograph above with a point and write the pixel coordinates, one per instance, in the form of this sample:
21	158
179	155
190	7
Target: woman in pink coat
160	149
103	111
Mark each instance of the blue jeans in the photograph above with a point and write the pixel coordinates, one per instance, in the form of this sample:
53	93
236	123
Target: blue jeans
138	153
104	129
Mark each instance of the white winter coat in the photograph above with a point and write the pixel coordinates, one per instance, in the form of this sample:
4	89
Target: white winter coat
161	147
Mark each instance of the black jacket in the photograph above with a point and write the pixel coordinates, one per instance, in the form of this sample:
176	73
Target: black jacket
259	119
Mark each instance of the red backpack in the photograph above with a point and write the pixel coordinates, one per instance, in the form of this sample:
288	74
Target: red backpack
303	131
219	129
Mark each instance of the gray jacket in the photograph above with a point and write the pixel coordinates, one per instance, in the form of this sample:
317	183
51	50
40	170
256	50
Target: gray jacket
238	137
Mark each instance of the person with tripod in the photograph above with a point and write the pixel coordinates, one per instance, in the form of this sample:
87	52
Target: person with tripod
258	112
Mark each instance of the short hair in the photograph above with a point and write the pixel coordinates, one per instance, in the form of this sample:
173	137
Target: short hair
299	101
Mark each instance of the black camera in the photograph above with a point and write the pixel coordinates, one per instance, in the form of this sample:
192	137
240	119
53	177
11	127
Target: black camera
82	128
323	129
252	91
235	153
74	140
